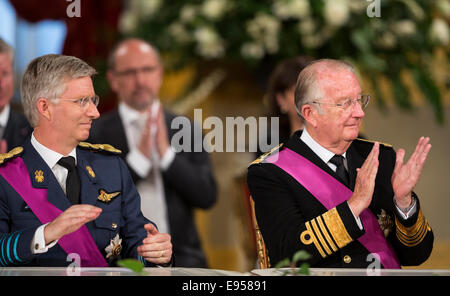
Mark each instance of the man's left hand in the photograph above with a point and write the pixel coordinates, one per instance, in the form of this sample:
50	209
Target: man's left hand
406	176
156	247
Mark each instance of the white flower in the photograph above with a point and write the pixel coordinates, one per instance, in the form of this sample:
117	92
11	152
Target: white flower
114	248
358	6
444	7
148	8
262	25
188	13
312	41
336	12
404	27
307	26
387	40
179	33
252	50
439	31
215	9
286	9
264	28
128	22
209	43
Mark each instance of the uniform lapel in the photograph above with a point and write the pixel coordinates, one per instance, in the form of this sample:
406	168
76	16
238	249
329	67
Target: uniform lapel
42	177
88	178
354	161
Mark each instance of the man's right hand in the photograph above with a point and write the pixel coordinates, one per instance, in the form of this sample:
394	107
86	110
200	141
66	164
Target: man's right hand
365	182
69	221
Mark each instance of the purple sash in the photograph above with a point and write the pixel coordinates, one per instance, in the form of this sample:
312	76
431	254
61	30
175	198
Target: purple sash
331	193
80	241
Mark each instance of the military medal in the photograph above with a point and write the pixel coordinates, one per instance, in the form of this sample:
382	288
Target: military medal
106	197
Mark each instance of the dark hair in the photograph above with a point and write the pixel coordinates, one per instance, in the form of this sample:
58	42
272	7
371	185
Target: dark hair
282	78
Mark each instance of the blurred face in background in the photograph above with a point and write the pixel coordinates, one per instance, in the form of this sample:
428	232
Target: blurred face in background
286	102
137	74
6	80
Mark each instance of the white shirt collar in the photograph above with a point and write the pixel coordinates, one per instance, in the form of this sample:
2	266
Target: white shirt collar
4	116
129	115
50	157
322	152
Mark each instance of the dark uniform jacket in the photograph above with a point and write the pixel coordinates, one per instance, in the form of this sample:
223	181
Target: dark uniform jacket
283	207
17	129
120	216
188	184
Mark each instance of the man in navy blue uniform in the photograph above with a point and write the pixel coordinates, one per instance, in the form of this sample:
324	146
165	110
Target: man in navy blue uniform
62	198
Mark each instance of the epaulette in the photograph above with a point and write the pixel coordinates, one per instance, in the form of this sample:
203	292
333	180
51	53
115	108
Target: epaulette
4	157
373	142
99	147
262	157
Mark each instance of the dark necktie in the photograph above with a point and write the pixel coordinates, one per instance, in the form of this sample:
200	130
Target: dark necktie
73	183
338	161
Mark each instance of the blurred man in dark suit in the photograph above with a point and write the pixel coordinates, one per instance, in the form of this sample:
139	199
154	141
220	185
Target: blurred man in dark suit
171	183
14	127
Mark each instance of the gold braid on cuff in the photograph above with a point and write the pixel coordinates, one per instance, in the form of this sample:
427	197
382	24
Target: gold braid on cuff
413	235
327	232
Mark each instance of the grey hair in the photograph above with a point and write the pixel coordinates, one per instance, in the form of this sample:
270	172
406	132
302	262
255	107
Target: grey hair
45	77
6	48
308	89
111	61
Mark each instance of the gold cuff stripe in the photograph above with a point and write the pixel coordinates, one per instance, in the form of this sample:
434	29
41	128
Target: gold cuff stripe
337	228
319	235
412	242
413	235
326	234
313	239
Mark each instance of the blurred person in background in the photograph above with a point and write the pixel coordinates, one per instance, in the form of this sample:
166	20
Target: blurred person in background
14	127
171	184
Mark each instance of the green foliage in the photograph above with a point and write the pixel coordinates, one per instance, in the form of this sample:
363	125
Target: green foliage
134	265
298	257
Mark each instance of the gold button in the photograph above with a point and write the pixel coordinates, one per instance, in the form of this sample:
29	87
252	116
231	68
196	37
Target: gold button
347	259
114	225
36	246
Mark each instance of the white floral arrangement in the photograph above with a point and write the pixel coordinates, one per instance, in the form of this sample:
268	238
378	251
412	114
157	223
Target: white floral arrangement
381	37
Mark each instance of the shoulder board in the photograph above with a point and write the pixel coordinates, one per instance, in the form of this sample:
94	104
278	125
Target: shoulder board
99	147
262	157
4	157
373	142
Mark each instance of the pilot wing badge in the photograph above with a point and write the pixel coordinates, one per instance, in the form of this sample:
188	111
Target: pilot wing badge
106	197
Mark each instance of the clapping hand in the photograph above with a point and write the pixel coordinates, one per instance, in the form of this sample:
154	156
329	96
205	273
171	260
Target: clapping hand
406	176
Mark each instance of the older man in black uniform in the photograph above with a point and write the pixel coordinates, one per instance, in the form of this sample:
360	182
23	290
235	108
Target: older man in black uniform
61	198
347	202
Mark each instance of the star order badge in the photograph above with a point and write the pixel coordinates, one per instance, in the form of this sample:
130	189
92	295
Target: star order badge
106	197
39	176
385	222
114	248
